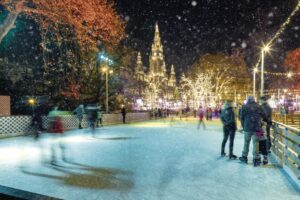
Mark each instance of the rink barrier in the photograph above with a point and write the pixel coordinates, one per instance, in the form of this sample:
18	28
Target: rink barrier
292	119
9	193
286	147
20	125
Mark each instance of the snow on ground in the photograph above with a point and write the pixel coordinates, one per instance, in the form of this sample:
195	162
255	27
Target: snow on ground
151	160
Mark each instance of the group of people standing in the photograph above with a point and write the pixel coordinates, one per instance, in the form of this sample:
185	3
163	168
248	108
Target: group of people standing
256	121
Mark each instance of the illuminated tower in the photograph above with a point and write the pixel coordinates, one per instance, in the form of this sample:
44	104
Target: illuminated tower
140	75
172	78
156	62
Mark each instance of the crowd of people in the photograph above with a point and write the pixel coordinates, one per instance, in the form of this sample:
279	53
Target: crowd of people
255	118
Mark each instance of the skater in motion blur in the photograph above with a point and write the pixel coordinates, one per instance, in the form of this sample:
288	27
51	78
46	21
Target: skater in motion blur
57	130
200	114
37	122
92	113
229	128
99	117
79	111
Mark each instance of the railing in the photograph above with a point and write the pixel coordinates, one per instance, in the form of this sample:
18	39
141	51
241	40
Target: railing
292	120
286	146
20	125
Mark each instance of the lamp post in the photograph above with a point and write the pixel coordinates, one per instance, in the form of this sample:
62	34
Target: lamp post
32	102
264	49
106	71
254	81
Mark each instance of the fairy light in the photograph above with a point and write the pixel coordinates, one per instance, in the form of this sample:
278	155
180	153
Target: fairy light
281	29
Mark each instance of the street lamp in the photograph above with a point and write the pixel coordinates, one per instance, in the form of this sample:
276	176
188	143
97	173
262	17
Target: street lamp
101	57
106	70
264	49
255	70
31	101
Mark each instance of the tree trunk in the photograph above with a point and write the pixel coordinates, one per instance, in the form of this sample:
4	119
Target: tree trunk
8	24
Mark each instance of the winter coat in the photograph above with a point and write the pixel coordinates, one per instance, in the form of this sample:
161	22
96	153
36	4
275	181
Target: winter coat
251	117
267	111
200	114
123	111
228	118
79	112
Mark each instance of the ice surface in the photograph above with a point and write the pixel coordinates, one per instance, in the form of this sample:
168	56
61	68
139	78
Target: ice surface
151	160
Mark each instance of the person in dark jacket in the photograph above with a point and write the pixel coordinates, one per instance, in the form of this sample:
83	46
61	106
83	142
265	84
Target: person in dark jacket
229	128
79	111
37	122
251	119
123	111
268	113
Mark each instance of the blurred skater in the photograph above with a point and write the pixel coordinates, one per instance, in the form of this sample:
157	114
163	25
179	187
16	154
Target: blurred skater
99	117
57	130
92	113
200	114
79	111
37	122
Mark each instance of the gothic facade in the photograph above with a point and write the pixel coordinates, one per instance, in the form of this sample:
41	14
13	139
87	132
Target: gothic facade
159	88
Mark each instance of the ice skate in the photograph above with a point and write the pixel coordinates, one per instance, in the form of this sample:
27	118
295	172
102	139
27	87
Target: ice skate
243	159
265	160
232	157
256	162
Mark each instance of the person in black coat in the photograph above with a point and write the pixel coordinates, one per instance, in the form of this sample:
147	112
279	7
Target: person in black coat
229	128
123	111
37	122
268	113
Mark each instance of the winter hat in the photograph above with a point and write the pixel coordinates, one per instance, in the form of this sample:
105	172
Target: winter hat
250	99
227	104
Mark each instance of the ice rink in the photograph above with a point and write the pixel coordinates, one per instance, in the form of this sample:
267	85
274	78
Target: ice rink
140	161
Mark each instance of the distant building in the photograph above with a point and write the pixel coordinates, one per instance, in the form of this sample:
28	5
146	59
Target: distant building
156	87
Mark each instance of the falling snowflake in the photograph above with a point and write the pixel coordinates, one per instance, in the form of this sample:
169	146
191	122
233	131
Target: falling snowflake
127	18
233	44
194	3
244	45
271	14
178	17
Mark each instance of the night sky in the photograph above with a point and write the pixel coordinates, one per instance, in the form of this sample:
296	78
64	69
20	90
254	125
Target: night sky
192	28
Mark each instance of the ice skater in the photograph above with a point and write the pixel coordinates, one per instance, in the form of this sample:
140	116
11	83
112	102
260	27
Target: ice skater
229	128
99	117
92	117
79	111
123	112
37	122
200	114
251	118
